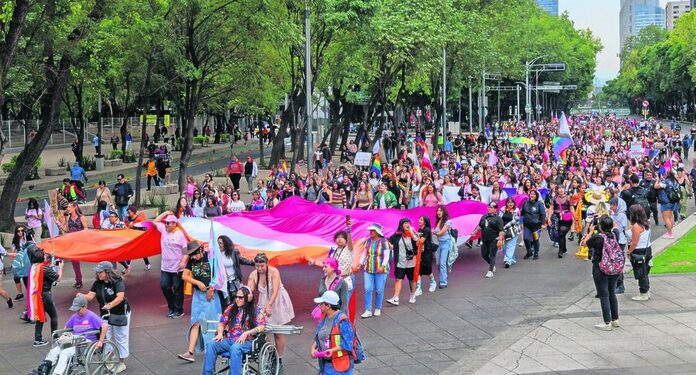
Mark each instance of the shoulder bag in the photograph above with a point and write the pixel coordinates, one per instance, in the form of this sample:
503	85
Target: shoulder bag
115	319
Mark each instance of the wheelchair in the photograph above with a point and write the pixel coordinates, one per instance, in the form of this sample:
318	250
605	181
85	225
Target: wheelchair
88	359
262	359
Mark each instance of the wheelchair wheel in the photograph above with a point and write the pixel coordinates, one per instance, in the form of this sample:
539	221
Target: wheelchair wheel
268	360
102	361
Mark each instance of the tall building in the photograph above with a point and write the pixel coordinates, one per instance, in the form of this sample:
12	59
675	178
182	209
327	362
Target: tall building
638	14
674	10
550	6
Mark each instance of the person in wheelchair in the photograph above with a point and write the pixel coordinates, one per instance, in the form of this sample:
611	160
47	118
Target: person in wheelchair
83	320
238	326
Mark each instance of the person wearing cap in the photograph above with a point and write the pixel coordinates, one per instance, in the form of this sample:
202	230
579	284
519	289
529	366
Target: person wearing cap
83	320
332	281
110	292
491	228
205	302
333	340
375	262
173	242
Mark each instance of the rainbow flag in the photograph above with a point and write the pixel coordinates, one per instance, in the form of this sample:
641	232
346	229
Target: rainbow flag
561	144
283	168
377	166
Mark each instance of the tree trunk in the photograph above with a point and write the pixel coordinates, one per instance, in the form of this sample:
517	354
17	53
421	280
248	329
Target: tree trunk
56	79
8	48
143	128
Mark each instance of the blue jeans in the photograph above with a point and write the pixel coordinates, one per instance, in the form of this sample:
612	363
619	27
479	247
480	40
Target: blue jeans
374	281
236	351
442	255
510	250
122	212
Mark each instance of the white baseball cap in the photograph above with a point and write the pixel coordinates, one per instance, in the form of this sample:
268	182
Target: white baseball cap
329	297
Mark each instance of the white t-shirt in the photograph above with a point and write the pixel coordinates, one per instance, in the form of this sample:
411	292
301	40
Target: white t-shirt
237	206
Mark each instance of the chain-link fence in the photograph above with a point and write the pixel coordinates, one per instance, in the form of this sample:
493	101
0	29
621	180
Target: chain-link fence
19	132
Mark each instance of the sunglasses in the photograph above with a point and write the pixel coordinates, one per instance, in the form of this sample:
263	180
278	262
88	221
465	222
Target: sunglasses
238	297
20	230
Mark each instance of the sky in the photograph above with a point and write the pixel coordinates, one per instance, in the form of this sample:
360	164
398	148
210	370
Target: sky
602	17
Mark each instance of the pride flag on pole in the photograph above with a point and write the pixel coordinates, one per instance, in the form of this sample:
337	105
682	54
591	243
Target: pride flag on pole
377	166
218	280
283	168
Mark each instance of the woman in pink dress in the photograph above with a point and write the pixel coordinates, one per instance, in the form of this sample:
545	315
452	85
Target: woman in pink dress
431	198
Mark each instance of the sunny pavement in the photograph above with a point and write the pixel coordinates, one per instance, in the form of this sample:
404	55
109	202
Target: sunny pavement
537	316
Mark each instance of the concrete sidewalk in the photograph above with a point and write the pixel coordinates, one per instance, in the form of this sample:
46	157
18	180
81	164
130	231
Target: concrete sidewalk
655	337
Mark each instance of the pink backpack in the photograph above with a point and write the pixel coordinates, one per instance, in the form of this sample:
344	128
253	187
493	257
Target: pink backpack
612	262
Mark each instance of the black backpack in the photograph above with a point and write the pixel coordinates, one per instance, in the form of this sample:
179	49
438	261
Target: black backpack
673	193
640	197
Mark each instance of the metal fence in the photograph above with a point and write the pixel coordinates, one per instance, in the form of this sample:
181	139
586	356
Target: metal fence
18	132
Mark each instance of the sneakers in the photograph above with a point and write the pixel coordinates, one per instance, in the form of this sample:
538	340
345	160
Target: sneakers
188	357
615	323
366	314
19	297
419	291
489	274
170	313
433	285
536	257
177	315
39	343
604	327
394	301
121	368
412	299
10	304
641	297
148	267
668	236
378	312
527	256
507	265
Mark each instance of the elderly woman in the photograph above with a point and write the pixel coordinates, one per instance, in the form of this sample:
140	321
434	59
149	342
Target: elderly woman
205	303
110	291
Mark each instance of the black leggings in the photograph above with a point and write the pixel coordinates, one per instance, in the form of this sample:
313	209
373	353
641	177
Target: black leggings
235	178
563	229
488	251
606	289
50	310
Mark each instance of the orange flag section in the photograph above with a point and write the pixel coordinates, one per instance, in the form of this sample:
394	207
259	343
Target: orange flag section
96	245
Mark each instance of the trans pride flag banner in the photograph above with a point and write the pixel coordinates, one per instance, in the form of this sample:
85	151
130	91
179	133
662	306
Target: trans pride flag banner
293	232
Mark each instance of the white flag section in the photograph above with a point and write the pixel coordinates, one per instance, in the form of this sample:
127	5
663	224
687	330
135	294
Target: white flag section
375	148
450	194
485	193
564	128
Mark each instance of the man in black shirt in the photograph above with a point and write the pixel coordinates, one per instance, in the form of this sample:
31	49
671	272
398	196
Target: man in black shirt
492	228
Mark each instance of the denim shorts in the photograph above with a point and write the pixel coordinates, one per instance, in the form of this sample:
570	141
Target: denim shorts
666	206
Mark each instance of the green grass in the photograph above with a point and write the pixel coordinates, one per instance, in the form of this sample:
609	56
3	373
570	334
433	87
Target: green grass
680	257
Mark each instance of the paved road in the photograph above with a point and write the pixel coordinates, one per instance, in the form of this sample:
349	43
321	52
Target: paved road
426	338
199	165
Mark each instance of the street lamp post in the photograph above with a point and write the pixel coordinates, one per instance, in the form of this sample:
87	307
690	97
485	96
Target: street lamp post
471	129
517	110
308	89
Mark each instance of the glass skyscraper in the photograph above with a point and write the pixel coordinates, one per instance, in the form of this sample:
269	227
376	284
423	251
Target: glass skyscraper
638	14
550	6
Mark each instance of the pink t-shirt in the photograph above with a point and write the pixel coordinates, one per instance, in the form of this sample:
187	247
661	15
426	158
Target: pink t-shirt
33	222
172	244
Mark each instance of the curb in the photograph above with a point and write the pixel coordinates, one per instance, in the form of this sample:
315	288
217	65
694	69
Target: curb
661	244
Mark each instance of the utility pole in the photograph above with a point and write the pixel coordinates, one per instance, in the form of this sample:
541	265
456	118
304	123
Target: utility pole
444	95
471	129
308	90
517	109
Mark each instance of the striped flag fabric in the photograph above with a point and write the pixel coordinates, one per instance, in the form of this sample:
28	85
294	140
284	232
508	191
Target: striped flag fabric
218	279
377	166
